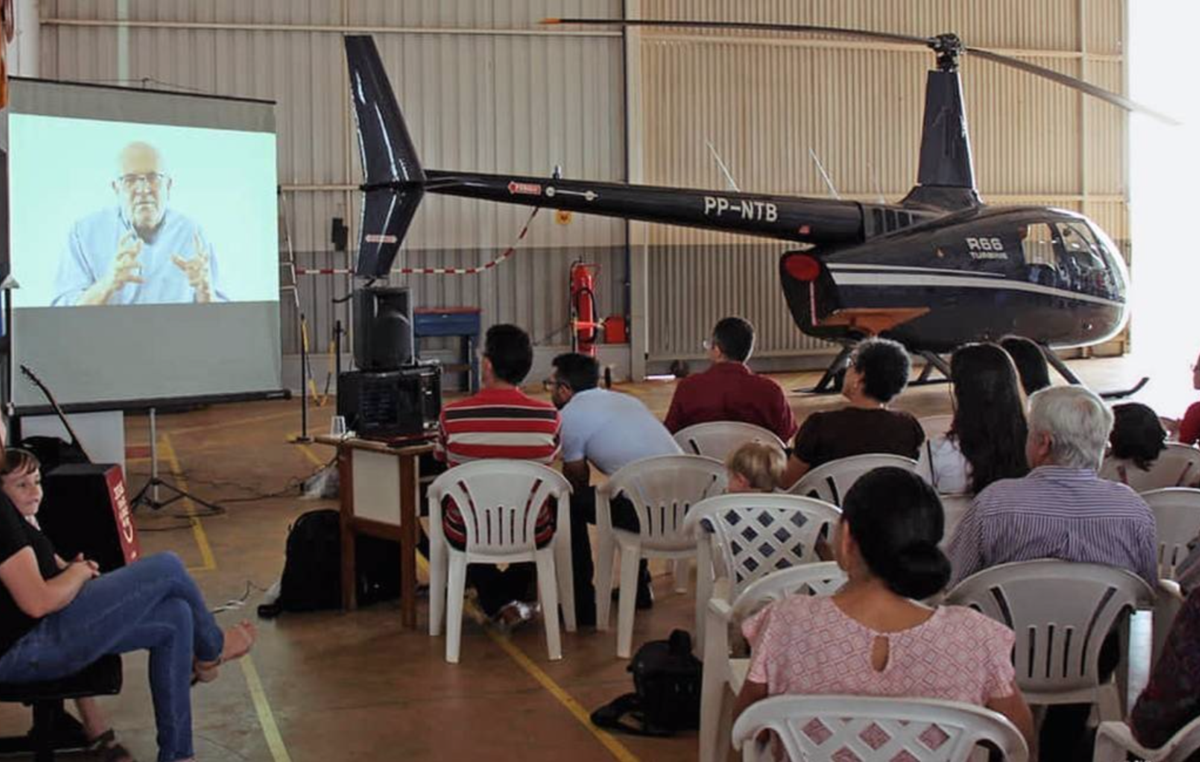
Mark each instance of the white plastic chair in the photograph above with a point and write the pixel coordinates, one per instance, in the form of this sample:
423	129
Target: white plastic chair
663	490
1177	466
742	538
1114	740
499	501
954	507
831	481
1061	613
872	729
718	439
1177	522
936	426
724	674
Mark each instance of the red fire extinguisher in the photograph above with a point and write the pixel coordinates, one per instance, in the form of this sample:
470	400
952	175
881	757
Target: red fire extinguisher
584	325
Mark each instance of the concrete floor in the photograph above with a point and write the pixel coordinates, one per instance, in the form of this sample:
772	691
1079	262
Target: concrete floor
333	686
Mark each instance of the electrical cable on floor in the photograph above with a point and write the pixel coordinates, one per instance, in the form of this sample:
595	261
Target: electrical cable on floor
292	486
236	603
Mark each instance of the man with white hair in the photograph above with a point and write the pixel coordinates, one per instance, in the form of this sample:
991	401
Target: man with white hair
139	251
1062	509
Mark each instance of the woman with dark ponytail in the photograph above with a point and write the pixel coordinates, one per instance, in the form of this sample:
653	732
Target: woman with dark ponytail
872	637
986	442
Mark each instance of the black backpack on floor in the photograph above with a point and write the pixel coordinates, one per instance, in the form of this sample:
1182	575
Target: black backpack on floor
666	697
312	571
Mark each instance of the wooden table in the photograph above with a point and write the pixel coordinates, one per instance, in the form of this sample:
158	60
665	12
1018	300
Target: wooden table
379	497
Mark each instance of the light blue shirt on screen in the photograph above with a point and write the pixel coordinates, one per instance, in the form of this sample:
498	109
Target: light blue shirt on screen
612	430
92	248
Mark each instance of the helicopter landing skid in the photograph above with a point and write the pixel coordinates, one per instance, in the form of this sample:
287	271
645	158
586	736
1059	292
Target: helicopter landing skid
1070	377
831	380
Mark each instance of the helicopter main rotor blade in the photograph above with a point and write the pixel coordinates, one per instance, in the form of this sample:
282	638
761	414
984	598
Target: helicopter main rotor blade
928	42
1077	84
754	27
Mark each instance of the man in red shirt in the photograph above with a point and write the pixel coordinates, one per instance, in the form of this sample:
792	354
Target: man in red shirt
500	422
729	390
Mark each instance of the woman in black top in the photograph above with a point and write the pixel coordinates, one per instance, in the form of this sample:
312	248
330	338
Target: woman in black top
58	617
878	372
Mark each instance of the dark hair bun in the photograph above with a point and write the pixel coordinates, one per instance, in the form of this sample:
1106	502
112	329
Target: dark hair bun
918	570
897	521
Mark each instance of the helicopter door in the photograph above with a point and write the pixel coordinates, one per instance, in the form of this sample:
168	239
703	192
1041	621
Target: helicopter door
1041	259
1083	262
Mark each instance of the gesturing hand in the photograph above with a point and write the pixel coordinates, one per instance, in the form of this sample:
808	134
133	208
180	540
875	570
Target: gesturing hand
126	267
196	269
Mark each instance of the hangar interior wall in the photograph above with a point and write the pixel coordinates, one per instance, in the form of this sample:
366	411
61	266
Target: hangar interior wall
484	89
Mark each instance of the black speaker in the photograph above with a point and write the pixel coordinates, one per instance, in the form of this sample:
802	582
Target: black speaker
339	234
395	403
86	510
383	329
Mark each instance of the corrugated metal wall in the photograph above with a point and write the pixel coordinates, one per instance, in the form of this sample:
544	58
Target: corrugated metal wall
482	90
485	90
764	100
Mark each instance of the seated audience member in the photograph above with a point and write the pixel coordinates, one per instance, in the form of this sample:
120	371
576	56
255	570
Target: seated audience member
57	617
729	390
878	371
21	480
872	637
608	430
1137	439
986	441
1030	361
500	421
1172	697
755	467
1062	509
1187	430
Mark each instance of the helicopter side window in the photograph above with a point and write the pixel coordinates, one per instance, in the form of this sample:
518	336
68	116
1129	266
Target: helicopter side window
1082	260
1037	243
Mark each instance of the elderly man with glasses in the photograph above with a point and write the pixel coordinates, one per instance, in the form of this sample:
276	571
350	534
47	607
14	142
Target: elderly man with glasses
138	251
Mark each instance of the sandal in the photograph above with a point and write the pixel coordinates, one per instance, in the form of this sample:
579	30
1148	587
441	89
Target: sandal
107	748
514	615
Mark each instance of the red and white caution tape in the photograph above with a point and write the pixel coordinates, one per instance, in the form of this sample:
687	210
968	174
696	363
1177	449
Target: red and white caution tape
436	270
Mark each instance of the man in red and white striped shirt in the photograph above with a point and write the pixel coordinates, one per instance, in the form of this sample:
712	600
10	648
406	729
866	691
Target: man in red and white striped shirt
500	421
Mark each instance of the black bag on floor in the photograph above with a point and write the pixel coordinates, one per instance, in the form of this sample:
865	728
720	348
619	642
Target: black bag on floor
666	697
312	571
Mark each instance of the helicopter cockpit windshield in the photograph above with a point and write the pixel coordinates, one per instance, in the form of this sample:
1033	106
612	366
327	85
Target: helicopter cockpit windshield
1087	266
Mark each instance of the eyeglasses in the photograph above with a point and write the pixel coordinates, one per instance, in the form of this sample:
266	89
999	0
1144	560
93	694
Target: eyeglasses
131	181
550	384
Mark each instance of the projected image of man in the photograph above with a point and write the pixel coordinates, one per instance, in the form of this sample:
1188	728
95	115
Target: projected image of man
139	251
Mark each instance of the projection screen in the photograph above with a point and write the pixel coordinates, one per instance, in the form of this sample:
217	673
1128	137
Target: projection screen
144	242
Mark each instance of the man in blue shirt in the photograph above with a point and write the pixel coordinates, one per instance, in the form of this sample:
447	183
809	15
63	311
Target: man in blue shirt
607	430
139	251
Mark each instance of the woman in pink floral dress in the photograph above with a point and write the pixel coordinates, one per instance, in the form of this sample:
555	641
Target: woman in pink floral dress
872	638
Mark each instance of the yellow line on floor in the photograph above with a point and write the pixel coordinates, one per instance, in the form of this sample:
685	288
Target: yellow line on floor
308	451
234	422
206	554
615	747
262	708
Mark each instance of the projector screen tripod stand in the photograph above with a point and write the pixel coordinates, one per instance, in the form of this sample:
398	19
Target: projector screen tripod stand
149	494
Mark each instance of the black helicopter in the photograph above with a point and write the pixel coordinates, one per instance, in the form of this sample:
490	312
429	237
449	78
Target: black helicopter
935	271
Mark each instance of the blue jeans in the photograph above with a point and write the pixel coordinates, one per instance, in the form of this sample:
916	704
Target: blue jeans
151	604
